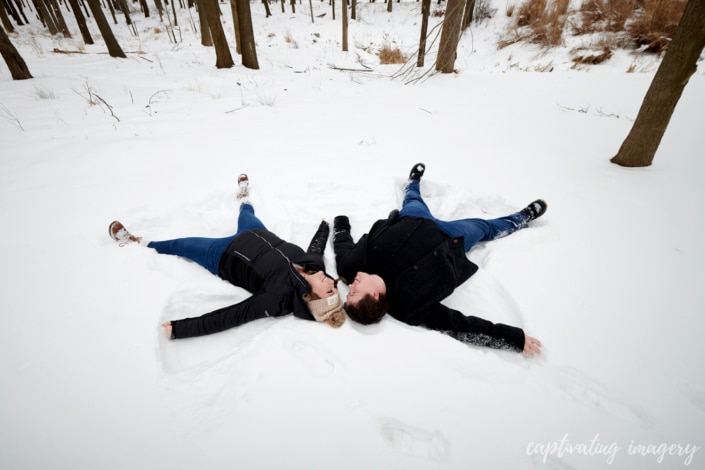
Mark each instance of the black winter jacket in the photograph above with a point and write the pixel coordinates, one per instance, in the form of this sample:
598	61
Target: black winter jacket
421	265
263	264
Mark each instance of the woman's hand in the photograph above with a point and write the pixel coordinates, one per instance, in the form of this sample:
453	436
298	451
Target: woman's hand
167	329
532	346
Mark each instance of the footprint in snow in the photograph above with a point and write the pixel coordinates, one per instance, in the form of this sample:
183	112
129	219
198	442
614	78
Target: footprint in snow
415	442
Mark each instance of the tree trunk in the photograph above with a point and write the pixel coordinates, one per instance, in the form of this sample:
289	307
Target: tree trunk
425	12
677	65
467	17
353	10
203	21
114	48
13	59
59	18
389	6
450	36
145	8
267	11
344	10
223	59
236	26
81	22
46	16
4	18
247	35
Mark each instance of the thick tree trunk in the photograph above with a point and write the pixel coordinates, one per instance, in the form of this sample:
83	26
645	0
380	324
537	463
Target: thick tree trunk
223	59
450	36
114	48
677	66
247	35
13	59
206	39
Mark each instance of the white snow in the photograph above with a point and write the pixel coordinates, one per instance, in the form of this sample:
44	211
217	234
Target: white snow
610	279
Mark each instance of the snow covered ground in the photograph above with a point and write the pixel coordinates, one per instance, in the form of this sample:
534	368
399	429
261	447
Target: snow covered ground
610	280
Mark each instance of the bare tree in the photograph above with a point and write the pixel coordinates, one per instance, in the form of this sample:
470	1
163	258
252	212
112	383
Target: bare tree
13	59
450	36
677	66
81	22
344	11
247	35
203	21
114	48
425	12
223	59
4	18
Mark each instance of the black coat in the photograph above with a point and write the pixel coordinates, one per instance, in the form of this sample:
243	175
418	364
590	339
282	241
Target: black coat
421	265
263	264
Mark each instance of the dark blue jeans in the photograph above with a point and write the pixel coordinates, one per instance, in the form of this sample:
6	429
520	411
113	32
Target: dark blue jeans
207	251
473	230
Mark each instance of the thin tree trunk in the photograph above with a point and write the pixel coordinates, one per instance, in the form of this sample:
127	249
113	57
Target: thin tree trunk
13	59
145	8
223	59
467	17
677	66
450	36
236	26
81	22
6	19
59	16
267	11
247	35
344	10
425	13
389	6
353	10
46	16
114	48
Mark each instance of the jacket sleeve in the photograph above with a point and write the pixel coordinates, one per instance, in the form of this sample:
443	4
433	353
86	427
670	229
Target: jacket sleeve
474	330
349	256
255	307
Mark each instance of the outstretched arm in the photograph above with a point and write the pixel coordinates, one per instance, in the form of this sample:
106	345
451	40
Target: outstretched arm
480	332
348	254
253	308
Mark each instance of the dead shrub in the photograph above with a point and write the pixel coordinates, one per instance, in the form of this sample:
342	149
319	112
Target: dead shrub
655	23
438	12
389	55
593	59
545	20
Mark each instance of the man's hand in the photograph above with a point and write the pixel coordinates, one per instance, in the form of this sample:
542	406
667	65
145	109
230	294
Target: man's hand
532	346
167	329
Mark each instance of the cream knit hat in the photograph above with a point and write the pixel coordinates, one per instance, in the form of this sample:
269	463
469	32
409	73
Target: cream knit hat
328	310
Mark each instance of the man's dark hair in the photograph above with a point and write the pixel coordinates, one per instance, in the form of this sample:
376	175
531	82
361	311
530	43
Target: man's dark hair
367	310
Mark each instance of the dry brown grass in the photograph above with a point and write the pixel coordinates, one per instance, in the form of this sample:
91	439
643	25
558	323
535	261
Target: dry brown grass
389	55
647	24
544	19
655	23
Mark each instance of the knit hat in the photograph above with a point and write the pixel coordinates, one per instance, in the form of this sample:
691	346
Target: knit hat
328	310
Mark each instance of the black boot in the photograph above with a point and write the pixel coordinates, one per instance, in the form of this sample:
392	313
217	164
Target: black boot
534	210
417	172
319	240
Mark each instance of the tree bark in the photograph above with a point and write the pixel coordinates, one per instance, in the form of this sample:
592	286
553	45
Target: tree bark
425	12
114	48
4	18
677	66
206	39
236	26
247	35
450	36
13	59
81	22
223	59
344	10
467	17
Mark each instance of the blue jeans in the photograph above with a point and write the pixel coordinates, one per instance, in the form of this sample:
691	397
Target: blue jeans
207	251
472	230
